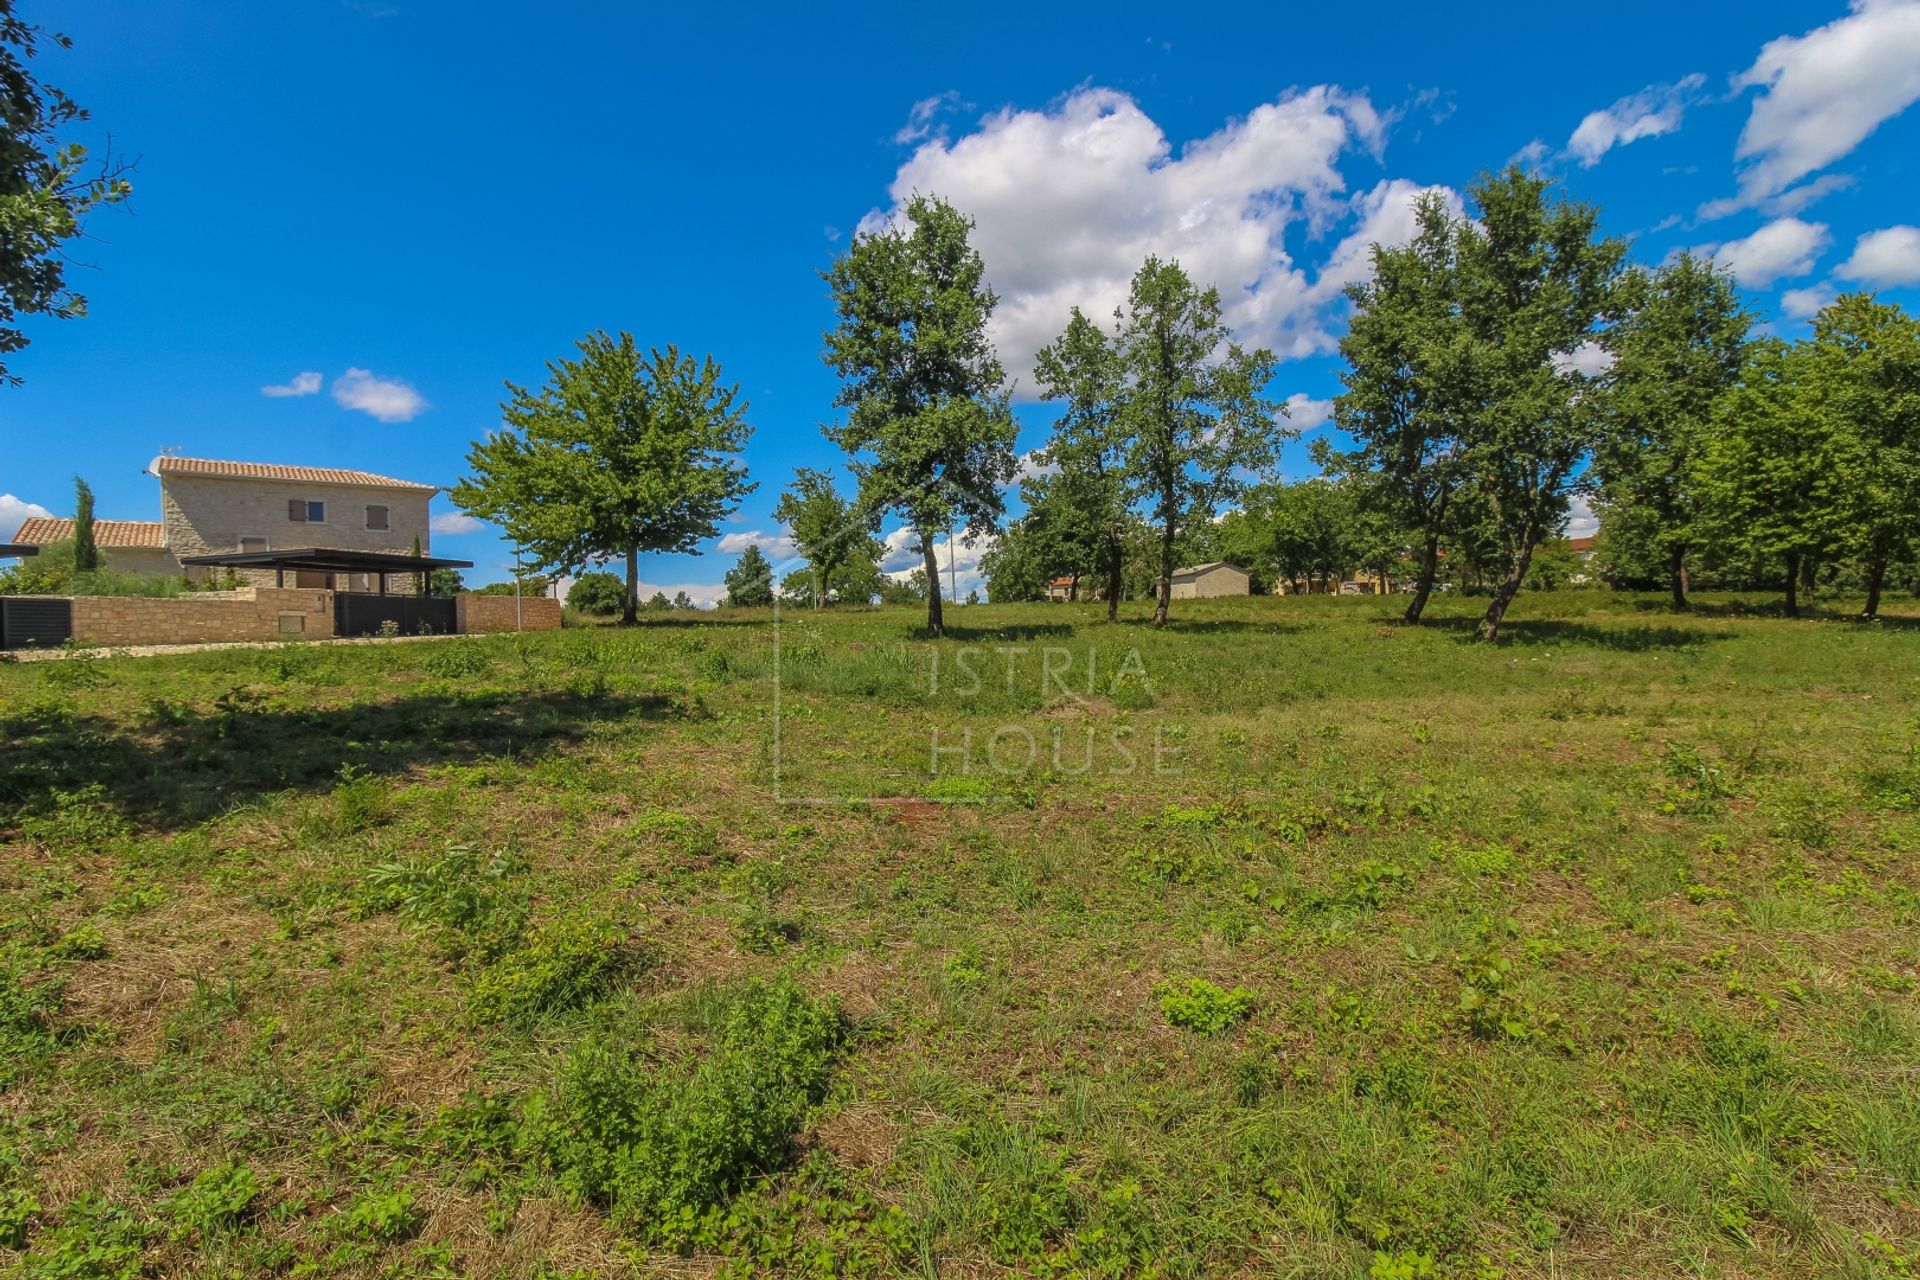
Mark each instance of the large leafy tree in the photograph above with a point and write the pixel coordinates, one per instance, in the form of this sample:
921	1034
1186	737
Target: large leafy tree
1409	390
1677	352
829	530
1537	286
1191	408
622	451
1864	367
750	581
1085	503
47	187
928	423
1776	476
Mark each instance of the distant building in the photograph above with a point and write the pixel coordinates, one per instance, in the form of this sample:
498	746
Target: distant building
1216	578
1059	590
1582	547
126	546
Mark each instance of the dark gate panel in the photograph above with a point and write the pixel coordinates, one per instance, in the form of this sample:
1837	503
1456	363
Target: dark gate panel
360	613
36	622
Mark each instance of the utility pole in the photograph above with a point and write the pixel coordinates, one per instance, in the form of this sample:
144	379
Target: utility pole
953	580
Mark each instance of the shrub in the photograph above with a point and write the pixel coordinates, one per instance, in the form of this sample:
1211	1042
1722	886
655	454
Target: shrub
660	1147
566	962
455	660
1200	1006
382	1215
83	942
597	592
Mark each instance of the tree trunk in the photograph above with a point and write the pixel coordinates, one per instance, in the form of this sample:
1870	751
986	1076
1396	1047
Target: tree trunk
1114	556
630	614
1793	584
1423	587
1508	589
819	589
1677	570
1073	588
934	622
1164	592
1876	579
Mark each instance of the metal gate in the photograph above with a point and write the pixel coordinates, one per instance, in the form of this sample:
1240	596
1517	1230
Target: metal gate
361	613
36	621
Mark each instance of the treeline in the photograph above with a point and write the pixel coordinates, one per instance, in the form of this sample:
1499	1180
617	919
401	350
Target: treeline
1499	365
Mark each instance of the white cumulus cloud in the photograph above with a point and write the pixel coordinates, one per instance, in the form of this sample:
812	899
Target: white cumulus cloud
301	384
1886	259
778	547
1655	110
16	511
1822	93
1305	413
1589	360
385	399
1782	249
1068	201
959	565
455	523
1801	304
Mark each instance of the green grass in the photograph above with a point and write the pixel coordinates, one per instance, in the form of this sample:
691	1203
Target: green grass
1308	944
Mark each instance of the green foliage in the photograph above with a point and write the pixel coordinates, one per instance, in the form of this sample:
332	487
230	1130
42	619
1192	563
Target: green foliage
750	581
597	592
47	188
622	452
662	1146
86	552
564	962
1203	1007
83	942
96	1239
834	535
929	427
386	1215
458	660
218	1199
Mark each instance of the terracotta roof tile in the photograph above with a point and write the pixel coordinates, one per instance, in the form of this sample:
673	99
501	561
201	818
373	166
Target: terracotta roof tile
167	465
42	530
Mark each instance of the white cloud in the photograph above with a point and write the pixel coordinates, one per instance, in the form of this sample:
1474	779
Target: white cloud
1069	200
1589	359
1581	522
705	595
962	566
14	512
1784	248
1822	93
302	384
1305	413
777	546
1802	304
455	523
1654	110
920	117
1886	259
1032	468
385	399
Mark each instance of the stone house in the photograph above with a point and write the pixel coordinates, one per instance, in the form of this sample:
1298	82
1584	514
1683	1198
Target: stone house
210	507
126	546
1215	578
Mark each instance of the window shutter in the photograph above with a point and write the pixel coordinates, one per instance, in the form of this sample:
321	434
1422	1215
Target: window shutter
296	510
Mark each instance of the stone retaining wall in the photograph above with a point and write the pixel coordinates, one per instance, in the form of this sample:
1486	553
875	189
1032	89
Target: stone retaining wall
477	615
252	613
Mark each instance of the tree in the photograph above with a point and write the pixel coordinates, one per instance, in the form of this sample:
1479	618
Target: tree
46	187
1864	370
622	451
86	552
827	530
597	592
750	581
444	582
1408	391
1086	503
1774	477
1677	353
928	422
1190	407
1536	285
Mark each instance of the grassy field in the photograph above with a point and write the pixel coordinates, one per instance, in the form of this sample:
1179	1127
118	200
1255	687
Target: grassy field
1306	944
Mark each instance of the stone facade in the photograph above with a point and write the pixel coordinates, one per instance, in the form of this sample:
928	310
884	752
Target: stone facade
206	515
480	614
1206	581
154	561
252	613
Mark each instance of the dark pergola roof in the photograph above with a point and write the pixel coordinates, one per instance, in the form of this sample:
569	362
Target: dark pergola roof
324	560
15	550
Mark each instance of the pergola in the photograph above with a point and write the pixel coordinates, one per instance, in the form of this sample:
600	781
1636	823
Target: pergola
329	562
17	550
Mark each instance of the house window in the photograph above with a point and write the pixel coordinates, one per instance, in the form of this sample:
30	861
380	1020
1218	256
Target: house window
253	544
302	512
377	518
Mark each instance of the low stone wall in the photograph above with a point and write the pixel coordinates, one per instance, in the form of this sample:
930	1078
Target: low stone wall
478	615
251	613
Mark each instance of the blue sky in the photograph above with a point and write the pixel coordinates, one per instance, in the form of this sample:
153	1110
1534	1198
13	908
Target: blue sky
414	201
